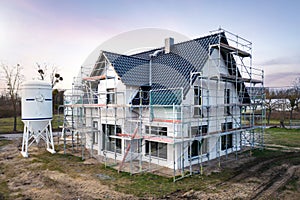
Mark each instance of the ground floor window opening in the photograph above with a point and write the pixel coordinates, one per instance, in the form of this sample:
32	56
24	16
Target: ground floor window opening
95	133
199	130
156	149
226	141
156	130
109	143
198	148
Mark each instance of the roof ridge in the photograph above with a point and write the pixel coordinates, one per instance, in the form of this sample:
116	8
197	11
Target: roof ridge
191	40
129	56
143	52
202	37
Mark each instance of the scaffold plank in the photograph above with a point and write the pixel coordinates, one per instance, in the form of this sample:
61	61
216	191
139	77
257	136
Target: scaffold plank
94	78
231	49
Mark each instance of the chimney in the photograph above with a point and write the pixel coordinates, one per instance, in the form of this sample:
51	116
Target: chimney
168	44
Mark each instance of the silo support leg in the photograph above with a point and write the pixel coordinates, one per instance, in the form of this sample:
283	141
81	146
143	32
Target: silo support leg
49	138
24	151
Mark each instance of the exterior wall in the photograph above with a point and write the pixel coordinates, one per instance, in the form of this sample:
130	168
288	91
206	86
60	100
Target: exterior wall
213	148
112	82
212	94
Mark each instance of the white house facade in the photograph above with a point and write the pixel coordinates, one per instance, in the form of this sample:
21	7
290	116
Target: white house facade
175	106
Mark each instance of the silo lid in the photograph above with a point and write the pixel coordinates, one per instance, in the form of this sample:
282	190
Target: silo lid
36	83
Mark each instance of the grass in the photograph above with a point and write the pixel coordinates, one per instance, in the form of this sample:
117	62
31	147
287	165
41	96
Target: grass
274	122
6	124
259	122
55	162
284	137
266	154
4	190
7	171
5	142
292	184
150	185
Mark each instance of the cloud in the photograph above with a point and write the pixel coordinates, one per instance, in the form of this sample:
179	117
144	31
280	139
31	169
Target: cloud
281	79
281	61
281	71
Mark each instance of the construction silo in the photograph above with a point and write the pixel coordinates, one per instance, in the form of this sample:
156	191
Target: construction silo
36	113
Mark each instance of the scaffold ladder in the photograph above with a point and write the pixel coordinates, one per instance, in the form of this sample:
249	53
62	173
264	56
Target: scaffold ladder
128	148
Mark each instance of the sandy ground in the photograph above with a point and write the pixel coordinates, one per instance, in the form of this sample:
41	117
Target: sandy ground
274	178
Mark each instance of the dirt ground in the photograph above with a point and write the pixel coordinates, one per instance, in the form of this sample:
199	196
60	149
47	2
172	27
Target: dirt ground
251	178
273	178
31	181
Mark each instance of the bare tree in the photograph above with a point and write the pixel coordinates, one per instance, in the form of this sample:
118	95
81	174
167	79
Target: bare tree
293	97
281	96
54	76
13	78
296	86
270	102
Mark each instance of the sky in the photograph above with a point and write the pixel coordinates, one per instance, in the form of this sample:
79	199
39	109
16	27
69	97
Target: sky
63	33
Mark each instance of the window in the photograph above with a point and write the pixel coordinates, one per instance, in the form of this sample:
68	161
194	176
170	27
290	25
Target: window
197	101
111	129
227	126
111	144
156	130
156	149
226	141
142	96
199	130
227	102
95	133
110	96
145	95
195	148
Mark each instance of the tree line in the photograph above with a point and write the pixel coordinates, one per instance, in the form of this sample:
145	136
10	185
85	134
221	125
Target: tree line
282	101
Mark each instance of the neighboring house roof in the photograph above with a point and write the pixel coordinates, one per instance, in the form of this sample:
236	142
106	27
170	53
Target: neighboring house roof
170	71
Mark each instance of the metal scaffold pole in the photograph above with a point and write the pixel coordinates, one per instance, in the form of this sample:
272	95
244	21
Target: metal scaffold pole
219	111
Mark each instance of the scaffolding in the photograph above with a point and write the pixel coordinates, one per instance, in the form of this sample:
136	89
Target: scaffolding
224	114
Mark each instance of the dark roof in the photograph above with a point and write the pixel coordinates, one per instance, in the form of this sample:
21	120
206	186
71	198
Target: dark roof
184	58
170	72
132	70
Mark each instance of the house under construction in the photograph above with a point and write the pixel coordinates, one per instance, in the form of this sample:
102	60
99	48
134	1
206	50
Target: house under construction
176	107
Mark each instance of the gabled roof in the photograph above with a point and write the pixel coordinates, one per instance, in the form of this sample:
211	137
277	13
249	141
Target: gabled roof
170	71
132	70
